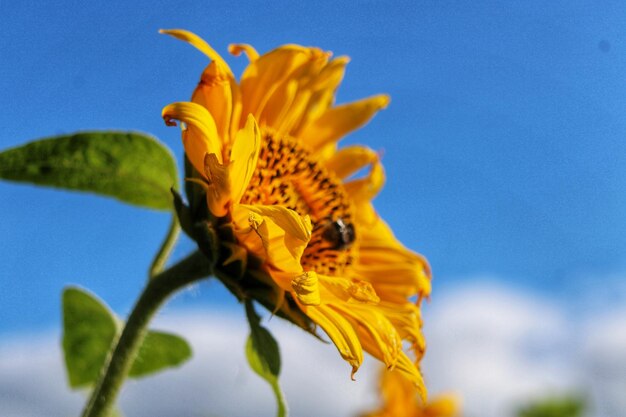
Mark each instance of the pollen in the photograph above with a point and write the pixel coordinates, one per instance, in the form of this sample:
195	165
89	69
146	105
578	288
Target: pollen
289	176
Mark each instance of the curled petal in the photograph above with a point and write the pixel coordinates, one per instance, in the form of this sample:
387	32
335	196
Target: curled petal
200	134
237	48
365	189
200	44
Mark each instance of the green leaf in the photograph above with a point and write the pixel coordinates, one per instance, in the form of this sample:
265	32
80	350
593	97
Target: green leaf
89	329
566	406
129	166
160	350
264	356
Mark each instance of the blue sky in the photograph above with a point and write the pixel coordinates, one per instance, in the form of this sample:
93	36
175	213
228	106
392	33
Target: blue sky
505	151
504	142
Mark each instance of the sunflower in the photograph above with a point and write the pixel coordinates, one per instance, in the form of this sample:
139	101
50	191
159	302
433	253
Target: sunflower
264	150
399	400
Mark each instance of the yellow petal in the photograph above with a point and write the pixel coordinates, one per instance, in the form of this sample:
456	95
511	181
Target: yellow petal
365	189
323	92
365	214
326	152
215	93
340	332
198	43
331	75
442	406
363	292
248	237
200	134
347	290
376	334
341	120
244	157
237	48
316	91
290	117
261	78
286	104
406	282
399	395
412	373
406	318
291	222
273	233
218	189
349	160
388	265
378	235
307	289
279	104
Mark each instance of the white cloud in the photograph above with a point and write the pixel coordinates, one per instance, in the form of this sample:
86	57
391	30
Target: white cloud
604	350
315	379
32	381
216	382
495	346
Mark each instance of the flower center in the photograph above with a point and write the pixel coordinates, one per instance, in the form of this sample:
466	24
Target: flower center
289	176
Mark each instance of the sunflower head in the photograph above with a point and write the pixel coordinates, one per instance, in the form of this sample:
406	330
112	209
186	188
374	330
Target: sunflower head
271	193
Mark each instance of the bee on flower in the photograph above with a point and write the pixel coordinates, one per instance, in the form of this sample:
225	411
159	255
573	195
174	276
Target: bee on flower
265	175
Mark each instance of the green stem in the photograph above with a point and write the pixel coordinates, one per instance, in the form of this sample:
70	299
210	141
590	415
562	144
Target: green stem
280	399
166	248
157	290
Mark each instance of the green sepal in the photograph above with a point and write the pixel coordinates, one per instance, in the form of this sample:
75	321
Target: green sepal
263	356
233	259
208	241
196	194
132	167
183	212
89	330
257	285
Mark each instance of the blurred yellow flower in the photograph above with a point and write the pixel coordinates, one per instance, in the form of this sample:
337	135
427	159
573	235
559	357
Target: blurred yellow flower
399	400
266	152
